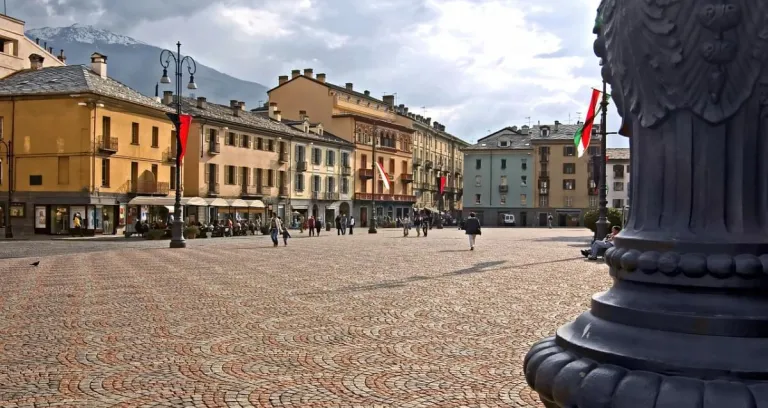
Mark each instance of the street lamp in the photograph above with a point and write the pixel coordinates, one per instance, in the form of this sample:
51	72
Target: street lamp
177	230
603	225
372	226
9	155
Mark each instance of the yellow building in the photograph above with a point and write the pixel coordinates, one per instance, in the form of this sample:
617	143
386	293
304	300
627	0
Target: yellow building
359	118
564	181
17	52
436	153
83	143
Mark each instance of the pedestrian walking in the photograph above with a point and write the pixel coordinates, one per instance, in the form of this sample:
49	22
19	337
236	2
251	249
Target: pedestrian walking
311	225
318	225
301	224
344	225
417	223
549	220
472	229
351	224
338	225
284	233
275	226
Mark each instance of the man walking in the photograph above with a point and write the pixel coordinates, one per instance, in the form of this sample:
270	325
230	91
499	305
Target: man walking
275	228
311	225
472	229
351	224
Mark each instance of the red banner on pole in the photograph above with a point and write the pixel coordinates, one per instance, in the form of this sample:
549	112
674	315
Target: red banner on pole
442	184
184	122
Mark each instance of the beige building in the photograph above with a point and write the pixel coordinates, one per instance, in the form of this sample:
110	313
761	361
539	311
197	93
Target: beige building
436	153
565	188
17	52
358	118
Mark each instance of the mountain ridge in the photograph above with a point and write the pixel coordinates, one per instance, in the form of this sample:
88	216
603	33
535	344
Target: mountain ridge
136	64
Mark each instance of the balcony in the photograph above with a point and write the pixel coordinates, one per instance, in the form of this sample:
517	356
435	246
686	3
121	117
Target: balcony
108	145
213	189
416	162
301	166
503	188
428	164
387	149
544	174
406	178
544	158
330	196
346	170
214	148
366	174
150	187
169	155
283	193
385	197
251	191
316	195
282	157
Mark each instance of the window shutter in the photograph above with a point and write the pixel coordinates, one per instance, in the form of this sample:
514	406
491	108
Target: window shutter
207	175
254	177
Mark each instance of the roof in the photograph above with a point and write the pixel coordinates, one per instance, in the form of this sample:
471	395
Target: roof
561	132
332	86
72	79
245	118
518	140
442	133
617	153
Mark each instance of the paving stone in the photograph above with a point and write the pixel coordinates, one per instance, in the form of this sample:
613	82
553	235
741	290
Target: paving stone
363	320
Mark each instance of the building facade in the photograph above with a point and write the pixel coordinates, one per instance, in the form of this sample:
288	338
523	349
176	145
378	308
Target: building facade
436	153
499	179
370	124
83	144
617	177
565	186
17	52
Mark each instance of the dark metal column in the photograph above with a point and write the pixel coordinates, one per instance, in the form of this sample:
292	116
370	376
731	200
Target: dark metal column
603	226
685	323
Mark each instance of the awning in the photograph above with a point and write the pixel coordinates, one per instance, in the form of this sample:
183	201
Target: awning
334	206
238	203
299	207
166	201
216	202
256	204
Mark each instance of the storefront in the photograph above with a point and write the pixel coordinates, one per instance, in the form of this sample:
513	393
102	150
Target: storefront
159	209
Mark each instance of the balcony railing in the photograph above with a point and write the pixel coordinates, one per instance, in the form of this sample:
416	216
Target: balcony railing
169	155
406	177
301	166
150	187
251	191
543	191
428	164
366	174
316	195
387	149
282	157
213	189
544	174
385	197
503	188
108	145
330	196
416	162
346	170
214	148
544	158
283	192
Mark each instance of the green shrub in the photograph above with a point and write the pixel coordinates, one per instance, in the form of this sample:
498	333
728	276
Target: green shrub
265	230
192	232
156	234
590	218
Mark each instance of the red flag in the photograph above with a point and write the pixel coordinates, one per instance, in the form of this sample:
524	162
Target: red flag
442	184
184	122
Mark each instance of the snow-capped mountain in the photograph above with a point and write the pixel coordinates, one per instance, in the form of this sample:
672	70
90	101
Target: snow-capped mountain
85	34
137	64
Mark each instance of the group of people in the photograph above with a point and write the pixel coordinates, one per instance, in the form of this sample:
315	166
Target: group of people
315	225
420	221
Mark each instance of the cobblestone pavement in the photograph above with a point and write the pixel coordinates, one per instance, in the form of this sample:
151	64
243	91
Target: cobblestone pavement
352	321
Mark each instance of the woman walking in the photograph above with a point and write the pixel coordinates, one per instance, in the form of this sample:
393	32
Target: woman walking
472	229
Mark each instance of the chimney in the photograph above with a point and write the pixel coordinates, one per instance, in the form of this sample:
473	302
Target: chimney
367	92
321	78
99	64
61	57
442	128
389	100
45	45
428	121
36	61
436	125
167	97
349	86
405	110
37	41
308	72
235	110
278	115
295	73
50	50
233	103
242	105
302	114
201	104
282	79
557	125
272	109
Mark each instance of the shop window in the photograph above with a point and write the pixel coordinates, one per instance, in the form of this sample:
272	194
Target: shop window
36	180
18	210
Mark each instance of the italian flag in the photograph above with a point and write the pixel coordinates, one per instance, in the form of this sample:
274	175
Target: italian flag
383	175
583	135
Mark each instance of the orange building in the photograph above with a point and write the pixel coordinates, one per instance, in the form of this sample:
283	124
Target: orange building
361	119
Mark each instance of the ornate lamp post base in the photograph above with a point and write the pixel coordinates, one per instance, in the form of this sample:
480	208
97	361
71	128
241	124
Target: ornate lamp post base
177	234
686	321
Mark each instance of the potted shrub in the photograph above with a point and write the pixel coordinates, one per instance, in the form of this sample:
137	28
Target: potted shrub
155	234
191	232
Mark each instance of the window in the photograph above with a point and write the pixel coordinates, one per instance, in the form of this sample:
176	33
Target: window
173	177
569	168
618	171
331	185
317	156
363	161
543	201
503	143
569	151
154	171
270	178
230	139
568	201
523	199
36	180
299	184
593	201
230	175
64	170
594	150
260	144
524	164
477	164
134	133
105	172
212	174
523	181
316	183
404	167
569	184
270	145
477	198
245	141
213	136
344	159
503	180
503	164
345	186
2	128
618	186
478	181
618	203
330	158
155	136
391	167
301	154
503	199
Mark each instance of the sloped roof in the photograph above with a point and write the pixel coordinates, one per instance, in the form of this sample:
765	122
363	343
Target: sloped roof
517	139
621	153
245	118
72	79
560	132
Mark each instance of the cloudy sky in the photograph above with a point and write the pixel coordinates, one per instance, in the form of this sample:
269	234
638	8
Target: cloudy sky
474	65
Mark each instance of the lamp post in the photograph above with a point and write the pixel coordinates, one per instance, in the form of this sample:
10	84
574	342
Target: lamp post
603	225
8	144
372	226
166	56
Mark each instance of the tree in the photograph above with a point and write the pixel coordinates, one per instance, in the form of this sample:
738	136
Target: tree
591	216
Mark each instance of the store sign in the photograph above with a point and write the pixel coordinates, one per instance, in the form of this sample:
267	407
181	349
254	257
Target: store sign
40	217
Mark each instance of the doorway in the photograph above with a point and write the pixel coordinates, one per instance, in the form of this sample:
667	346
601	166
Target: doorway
543	219
523	219
363	216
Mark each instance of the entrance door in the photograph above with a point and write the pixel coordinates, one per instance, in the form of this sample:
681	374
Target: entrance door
543	219
364	216
562	220
523	219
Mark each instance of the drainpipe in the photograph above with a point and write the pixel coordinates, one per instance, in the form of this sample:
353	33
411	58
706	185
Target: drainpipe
93	153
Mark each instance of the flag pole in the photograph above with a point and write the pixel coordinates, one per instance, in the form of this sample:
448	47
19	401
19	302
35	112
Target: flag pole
603	225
